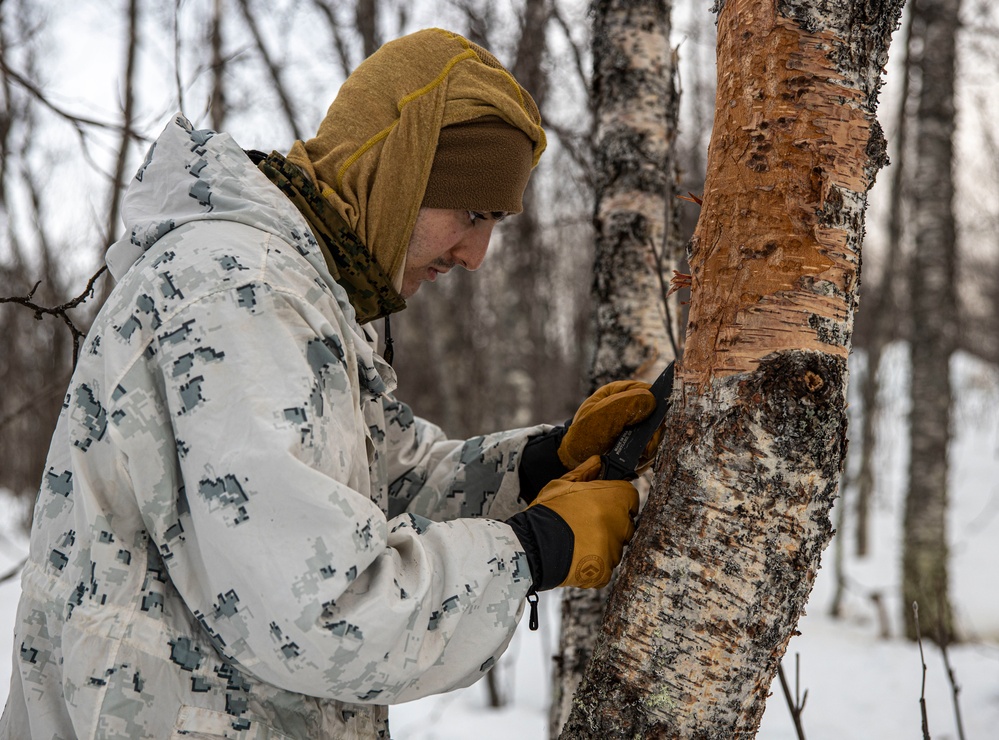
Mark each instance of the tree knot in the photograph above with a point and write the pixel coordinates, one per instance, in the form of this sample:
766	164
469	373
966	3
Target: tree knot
813	381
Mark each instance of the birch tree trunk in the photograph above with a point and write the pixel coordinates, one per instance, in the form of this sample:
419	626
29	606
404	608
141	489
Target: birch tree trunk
729	544
935	324
635	106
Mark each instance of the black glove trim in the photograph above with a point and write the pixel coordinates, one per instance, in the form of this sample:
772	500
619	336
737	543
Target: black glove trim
548	542
540	463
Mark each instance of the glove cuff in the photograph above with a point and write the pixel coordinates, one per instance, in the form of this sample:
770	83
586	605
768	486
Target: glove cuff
540	463
548	542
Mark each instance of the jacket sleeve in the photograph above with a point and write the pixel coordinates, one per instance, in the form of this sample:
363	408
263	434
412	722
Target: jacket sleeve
277	549
443	479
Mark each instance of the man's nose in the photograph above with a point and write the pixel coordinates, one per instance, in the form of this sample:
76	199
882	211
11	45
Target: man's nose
470	253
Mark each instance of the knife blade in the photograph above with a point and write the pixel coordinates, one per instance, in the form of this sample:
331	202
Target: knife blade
620	462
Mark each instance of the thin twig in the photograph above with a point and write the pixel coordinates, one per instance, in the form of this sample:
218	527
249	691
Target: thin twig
60	311
577	54
272	67
46	392
13	571
76	120
922	659
576	145
665	293
954	687
796	704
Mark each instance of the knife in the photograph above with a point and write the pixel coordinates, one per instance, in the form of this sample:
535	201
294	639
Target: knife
620	462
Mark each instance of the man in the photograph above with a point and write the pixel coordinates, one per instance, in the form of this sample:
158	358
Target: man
240	531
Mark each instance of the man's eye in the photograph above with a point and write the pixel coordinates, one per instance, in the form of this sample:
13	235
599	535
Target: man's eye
474	216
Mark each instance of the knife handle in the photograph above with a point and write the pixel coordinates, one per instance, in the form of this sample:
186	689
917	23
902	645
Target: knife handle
613	469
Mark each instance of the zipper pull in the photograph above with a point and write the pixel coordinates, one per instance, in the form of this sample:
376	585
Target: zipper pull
532	599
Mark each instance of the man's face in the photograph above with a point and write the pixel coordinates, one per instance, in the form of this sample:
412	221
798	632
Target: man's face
443	238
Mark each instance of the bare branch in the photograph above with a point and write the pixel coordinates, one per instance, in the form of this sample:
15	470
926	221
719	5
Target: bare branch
217	103
477	23
578	147
272	68
577	54
796	704
665	291
951	677
366	18
338	41
922	659
76	120
13	571
60	311
176	54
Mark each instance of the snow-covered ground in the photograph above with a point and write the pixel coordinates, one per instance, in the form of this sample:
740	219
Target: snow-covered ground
860	687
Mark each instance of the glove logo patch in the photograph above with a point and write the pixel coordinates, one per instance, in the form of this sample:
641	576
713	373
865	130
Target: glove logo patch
590	572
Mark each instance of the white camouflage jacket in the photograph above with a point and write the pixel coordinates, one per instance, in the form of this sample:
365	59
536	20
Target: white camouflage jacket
233	536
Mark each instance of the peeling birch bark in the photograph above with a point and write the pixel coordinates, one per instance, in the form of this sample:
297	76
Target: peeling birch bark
729	544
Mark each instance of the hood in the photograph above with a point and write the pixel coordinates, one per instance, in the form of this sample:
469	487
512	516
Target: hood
198	175
372	155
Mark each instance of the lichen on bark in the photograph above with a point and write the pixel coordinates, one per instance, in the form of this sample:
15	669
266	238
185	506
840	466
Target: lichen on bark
715	607
729	544
635	108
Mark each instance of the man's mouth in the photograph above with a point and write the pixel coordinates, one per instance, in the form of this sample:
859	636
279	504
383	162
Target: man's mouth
434	270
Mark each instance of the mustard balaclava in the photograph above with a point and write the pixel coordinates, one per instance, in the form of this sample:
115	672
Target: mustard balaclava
373	154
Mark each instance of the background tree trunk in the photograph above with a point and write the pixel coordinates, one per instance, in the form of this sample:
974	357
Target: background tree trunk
34	360
127	122
527	260
730	541
635	107
366	16
935	324
217	104
883	315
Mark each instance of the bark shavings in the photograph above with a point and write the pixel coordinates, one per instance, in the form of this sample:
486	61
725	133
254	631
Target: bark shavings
775	258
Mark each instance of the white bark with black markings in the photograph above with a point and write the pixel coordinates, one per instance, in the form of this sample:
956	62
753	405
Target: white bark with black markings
729	544
635	109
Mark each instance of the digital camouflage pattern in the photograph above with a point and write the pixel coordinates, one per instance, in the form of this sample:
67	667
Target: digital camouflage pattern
369	289
241	533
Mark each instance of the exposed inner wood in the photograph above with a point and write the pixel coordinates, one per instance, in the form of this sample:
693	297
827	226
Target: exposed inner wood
770	269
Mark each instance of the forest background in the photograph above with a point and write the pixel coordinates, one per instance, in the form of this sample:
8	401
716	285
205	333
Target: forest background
86	86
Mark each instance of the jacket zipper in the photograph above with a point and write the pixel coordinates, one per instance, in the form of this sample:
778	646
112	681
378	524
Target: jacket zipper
532	599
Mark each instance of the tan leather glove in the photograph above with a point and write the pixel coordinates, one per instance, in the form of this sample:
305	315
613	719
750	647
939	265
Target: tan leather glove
602	417
575	531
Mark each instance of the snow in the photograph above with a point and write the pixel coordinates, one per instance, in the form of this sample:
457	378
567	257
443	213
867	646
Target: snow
859	686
